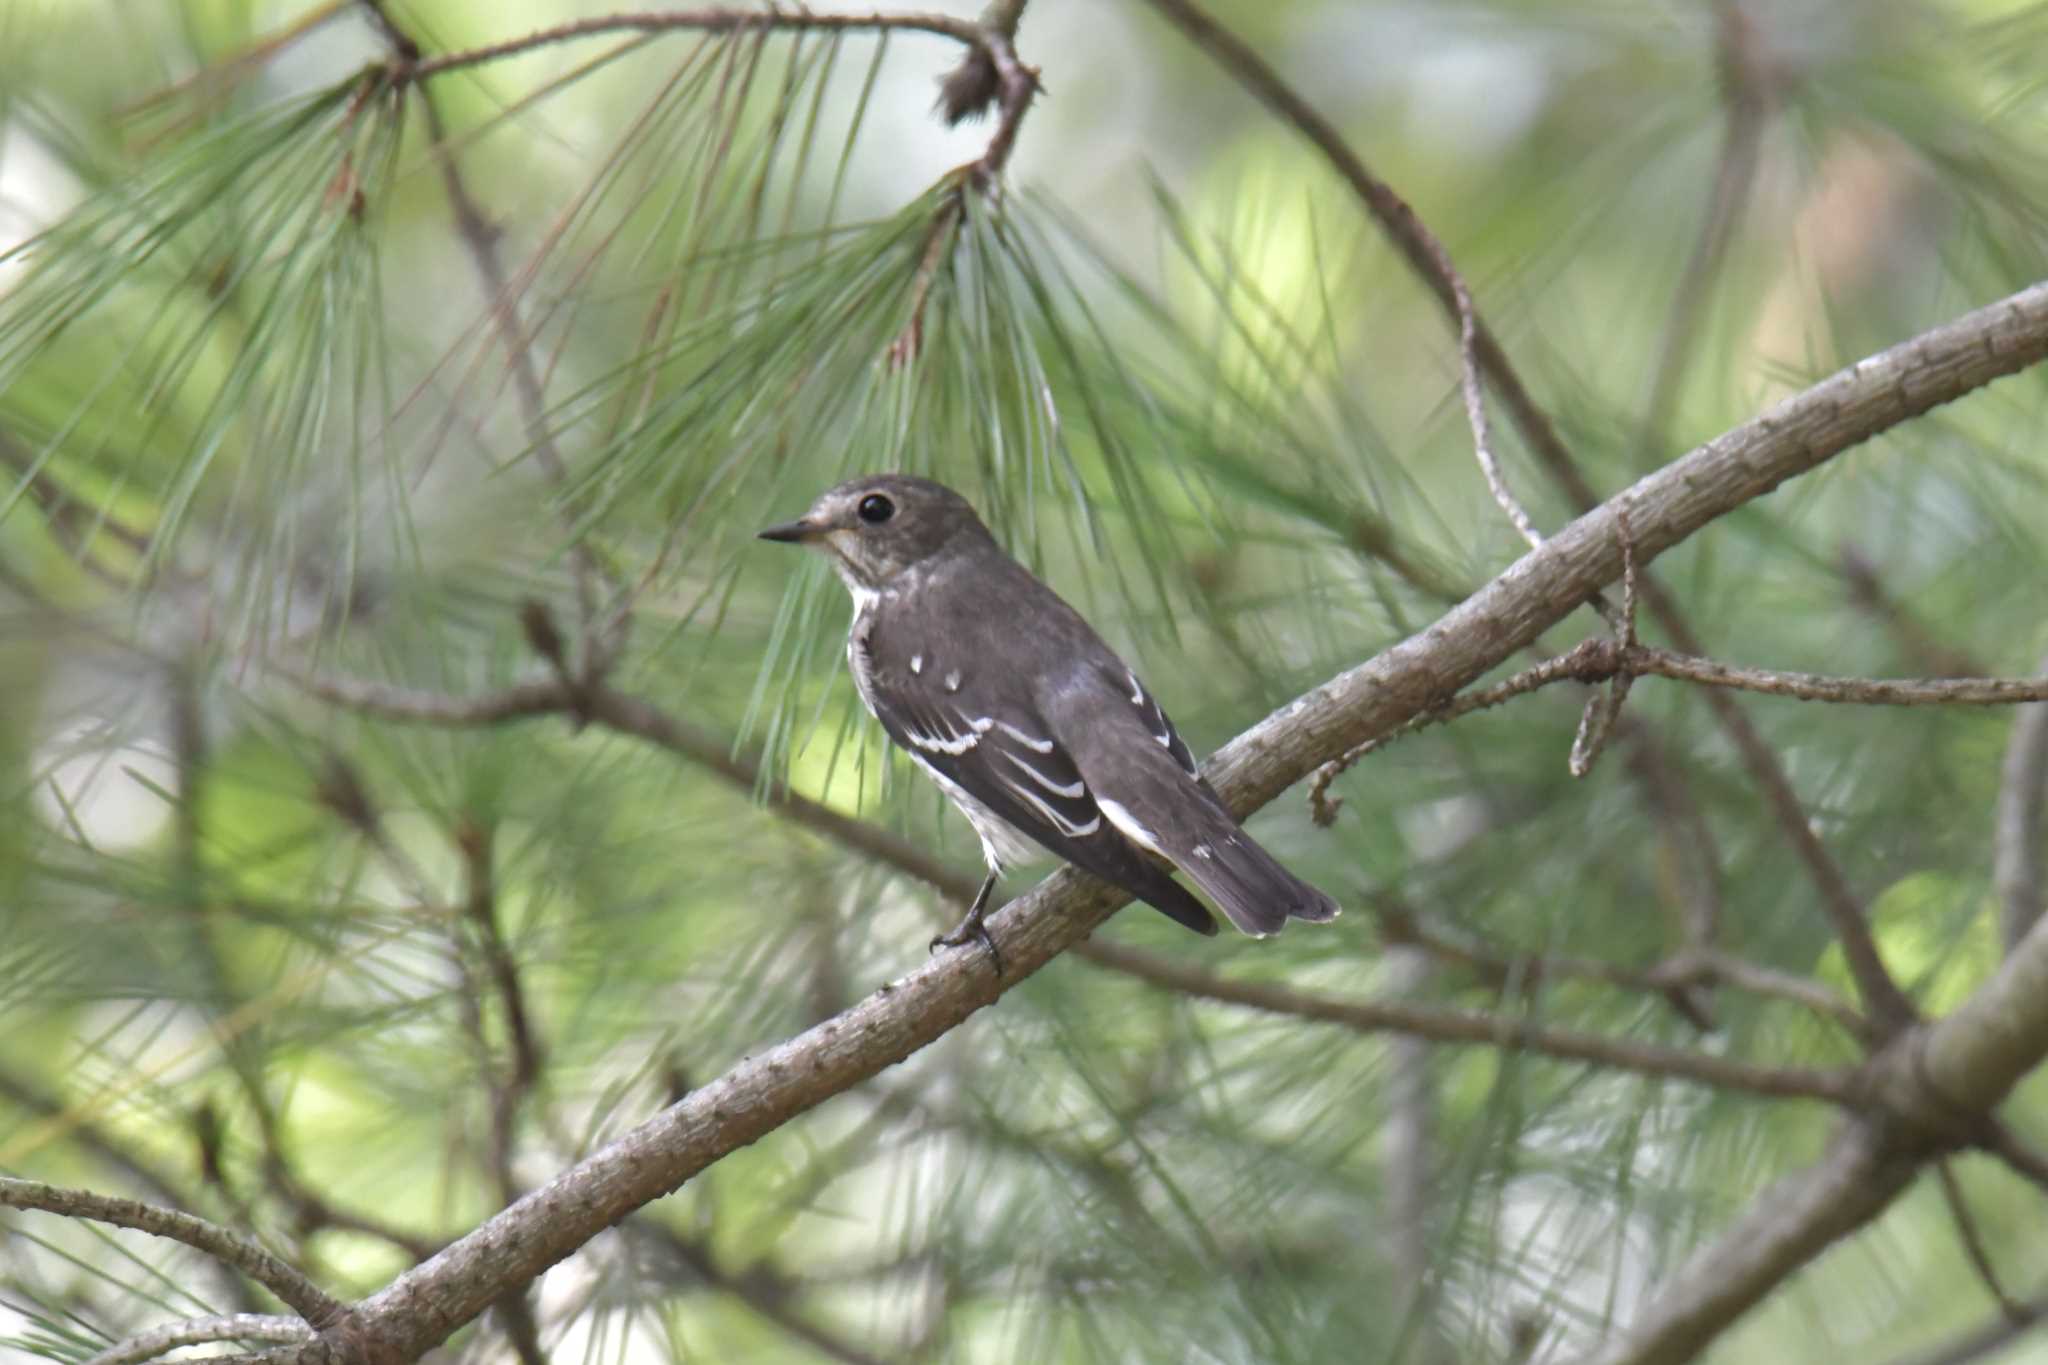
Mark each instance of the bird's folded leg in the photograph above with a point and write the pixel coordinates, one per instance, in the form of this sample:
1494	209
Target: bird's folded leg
970	929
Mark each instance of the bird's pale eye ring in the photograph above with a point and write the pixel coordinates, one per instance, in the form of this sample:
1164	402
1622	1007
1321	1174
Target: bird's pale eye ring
875	509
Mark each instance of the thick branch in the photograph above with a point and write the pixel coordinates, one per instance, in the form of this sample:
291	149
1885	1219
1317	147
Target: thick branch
423	1306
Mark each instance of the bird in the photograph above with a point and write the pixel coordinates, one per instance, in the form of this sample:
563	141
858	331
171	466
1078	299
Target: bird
1029	723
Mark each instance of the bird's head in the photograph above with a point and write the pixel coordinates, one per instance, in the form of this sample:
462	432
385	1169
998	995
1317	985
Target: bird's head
879	527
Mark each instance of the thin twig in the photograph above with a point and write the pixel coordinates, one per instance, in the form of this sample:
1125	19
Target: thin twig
711	20
509	1086
990	39
1690	968
909	342
1474	392
200	1332
481	237
305	1298
481	905
625	714
1647	662
1603	708
1839	1087
1599	660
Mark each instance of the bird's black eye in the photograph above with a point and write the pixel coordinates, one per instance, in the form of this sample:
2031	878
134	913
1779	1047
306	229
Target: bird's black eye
875	509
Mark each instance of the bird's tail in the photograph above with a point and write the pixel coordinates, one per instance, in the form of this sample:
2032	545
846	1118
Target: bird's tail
1249	885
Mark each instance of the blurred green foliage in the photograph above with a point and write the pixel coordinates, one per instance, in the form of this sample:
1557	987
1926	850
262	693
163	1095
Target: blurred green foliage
258	422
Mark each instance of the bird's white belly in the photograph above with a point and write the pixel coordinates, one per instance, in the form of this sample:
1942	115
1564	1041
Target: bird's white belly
1002	843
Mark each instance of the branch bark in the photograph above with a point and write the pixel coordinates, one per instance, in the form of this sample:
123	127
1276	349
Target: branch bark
304	1297
201	1332
422	1307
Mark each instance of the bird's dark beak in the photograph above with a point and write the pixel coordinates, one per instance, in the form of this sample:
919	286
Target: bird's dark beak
795	532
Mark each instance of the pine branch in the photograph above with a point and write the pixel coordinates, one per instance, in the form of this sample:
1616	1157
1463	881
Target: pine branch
304	1297
200	1332
1974	1055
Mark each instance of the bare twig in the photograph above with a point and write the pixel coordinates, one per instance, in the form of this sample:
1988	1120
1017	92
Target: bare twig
1465	1026
299	1293
1603	708
909	342
2019	828
708	20
199	1332
1599	660
1726	969
1473	391
631	715
990	42
1690	968
508	1086
480	237
1663	663
481	906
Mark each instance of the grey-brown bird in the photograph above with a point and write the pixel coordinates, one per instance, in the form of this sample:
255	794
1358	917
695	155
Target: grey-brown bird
1028	722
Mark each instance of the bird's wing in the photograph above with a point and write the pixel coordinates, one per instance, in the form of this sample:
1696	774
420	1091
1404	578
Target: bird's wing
1153	795
999	750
